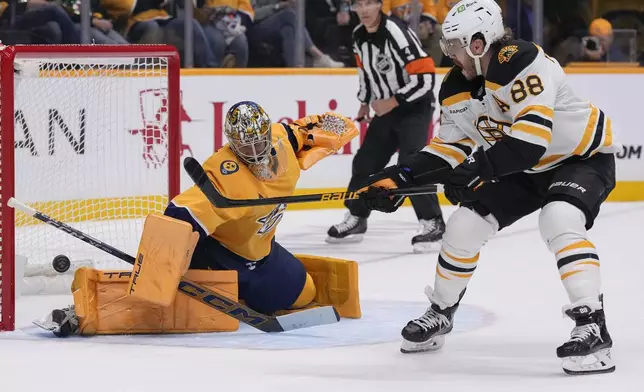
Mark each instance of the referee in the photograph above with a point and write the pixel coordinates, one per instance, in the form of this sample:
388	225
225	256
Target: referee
397	80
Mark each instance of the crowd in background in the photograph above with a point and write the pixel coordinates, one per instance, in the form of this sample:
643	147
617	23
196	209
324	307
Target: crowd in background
264	33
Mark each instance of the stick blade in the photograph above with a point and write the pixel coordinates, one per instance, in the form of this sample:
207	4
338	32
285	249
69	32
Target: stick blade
308	318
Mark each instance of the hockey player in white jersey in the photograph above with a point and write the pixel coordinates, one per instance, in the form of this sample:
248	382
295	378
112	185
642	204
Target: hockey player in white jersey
513	139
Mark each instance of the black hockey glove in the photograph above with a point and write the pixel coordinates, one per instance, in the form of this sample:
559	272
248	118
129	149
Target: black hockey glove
377	197
380	199
400	175
468	177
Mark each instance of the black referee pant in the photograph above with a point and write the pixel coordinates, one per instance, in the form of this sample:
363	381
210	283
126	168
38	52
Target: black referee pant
405	129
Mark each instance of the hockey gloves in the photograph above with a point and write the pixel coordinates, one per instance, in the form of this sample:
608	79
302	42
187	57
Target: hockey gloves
468	177
380	199
378	196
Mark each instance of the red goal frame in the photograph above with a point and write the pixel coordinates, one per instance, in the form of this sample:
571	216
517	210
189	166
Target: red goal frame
7	166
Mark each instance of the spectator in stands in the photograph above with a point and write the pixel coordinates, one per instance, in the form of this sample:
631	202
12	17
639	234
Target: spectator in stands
402	10
441	10
101	31
42	17
427	26
602	30
148	21
330	24
225	23
596	46
275	22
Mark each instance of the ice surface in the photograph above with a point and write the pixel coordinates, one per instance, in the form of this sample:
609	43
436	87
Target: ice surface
505	340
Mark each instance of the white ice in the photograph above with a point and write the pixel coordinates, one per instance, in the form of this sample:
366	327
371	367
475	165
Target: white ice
516	281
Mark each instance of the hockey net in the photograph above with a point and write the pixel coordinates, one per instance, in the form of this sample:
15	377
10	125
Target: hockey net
95	145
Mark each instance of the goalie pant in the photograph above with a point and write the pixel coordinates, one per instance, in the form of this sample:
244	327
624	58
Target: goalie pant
276	282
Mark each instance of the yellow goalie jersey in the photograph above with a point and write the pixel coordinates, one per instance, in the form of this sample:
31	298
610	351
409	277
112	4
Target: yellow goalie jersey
525	98
249	231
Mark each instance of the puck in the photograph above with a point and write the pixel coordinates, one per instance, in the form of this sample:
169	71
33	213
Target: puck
61	263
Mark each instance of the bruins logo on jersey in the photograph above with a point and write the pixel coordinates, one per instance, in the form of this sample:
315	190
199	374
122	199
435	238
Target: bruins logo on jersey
506	53
491	129
228	167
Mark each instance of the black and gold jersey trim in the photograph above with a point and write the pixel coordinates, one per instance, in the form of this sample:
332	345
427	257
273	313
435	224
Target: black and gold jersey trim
455	88
509	61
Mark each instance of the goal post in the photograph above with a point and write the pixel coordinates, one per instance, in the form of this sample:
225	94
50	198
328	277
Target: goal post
90	135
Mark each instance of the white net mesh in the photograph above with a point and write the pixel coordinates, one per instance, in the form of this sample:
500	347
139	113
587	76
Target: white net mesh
91	150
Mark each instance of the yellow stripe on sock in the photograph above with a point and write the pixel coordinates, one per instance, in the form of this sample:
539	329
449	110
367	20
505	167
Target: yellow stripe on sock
595	263
578	245
441	275
567	274
462	275
468	260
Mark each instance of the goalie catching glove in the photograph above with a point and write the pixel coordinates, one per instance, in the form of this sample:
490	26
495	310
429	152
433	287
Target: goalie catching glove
321	136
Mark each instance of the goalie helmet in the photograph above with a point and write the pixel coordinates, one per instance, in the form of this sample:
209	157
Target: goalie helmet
466	19
248	130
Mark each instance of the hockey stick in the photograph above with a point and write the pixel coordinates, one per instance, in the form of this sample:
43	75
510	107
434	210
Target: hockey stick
303	319
201	179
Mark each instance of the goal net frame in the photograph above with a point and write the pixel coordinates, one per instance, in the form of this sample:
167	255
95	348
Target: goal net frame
77	54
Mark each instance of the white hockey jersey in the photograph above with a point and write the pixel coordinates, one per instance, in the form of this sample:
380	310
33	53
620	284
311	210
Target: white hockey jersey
525	97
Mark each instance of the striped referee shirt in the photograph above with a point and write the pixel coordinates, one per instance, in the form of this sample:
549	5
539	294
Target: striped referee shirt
391	63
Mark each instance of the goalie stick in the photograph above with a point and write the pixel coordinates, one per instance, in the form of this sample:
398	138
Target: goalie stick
201	179
302	319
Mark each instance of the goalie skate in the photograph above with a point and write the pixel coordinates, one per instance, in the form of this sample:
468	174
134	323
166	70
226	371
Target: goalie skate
588	350
62	322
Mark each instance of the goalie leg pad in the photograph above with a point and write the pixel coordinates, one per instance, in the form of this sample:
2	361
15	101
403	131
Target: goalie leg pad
336	282
104	307
165	250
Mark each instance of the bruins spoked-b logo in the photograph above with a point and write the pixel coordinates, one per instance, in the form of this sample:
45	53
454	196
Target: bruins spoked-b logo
228	167
491	129
384	64
506	53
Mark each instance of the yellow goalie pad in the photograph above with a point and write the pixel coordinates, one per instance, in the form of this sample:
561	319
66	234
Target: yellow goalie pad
104	307
336	283
164	254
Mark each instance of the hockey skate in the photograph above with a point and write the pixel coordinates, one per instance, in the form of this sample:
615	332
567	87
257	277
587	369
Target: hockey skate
427	333
588	350
350	230
429	234
62	322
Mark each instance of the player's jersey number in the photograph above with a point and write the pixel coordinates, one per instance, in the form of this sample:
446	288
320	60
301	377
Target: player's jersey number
520	89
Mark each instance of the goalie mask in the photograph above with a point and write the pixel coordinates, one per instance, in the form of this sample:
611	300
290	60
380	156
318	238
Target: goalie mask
248	130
